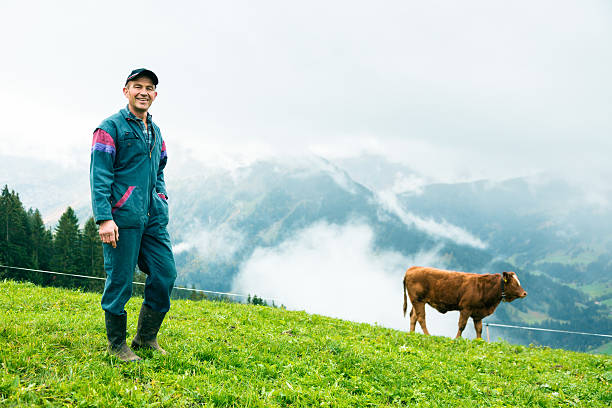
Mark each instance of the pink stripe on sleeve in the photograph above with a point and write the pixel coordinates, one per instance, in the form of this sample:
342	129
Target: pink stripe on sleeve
101	137
164	153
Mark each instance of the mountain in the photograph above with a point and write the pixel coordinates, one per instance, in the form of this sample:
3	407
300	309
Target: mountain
543	226
227	219
267	203
313	235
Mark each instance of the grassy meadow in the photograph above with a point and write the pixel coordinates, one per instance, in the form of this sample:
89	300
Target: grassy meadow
52	353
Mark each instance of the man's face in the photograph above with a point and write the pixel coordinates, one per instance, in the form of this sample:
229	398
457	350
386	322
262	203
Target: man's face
140	93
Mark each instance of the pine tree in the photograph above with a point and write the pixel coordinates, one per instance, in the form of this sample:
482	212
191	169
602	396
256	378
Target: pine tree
41	246
14	233
66	248
47	251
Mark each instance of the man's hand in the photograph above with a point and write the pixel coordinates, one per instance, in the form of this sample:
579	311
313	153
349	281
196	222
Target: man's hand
109	232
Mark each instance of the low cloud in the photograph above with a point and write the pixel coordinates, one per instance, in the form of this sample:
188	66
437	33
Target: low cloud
334	270
218	244
444	229
408	184
338	175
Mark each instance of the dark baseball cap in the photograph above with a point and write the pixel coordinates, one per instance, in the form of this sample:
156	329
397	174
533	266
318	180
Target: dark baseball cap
142	72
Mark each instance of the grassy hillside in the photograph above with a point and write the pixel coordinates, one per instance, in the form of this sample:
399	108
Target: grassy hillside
52	351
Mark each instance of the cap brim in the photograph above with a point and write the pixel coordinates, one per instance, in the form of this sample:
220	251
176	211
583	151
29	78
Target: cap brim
147	73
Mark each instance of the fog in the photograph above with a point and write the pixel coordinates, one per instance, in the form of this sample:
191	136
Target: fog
444	229
333	270
218	244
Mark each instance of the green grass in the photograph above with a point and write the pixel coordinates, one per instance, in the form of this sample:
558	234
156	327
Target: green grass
52	352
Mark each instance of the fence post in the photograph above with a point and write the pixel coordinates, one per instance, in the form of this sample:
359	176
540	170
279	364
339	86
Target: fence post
488	338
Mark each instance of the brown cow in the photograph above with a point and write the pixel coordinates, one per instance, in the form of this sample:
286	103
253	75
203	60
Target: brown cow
474	295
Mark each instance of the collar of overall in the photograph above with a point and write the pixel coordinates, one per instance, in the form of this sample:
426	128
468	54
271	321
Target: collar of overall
503	294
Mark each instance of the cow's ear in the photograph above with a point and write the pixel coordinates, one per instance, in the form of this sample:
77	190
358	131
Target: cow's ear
506	277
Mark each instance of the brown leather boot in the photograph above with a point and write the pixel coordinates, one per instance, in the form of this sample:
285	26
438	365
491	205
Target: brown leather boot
149	322
115	333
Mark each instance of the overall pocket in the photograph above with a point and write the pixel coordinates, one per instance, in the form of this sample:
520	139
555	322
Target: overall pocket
127	208
131	148
159	210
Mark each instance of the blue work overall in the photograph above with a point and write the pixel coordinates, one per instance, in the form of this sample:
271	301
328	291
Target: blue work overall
127	186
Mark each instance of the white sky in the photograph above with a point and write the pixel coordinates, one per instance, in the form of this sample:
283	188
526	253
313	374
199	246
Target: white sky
456	90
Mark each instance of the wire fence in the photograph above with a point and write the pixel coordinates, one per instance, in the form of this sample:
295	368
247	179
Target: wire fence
545	330
539	329
273	301
133	282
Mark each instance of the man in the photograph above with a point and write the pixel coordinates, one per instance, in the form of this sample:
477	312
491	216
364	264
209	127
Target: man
129	201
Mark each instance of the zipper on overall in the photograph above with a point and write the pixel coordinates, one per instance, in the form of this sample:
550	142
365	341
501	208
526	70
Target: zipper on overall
150	158
151	162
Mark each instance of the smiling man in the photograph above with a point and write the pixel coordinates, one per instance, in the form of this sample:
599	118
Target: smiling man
129	200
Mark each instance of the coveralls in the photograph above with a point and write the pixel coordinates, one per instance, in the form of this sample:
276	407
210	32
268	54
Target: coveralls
127	185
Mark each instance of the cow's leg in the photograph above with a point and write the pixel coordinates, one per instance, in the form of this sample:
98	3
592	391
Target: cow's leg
478	328
463	318
413	319
419	311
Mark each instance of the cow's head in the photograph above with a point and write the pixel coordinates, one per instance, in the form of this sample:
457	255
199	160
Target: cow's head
512	287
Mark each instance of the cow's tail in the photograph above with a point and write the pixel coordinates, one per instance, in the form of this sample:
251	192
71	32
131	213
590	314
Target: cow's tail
405	297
